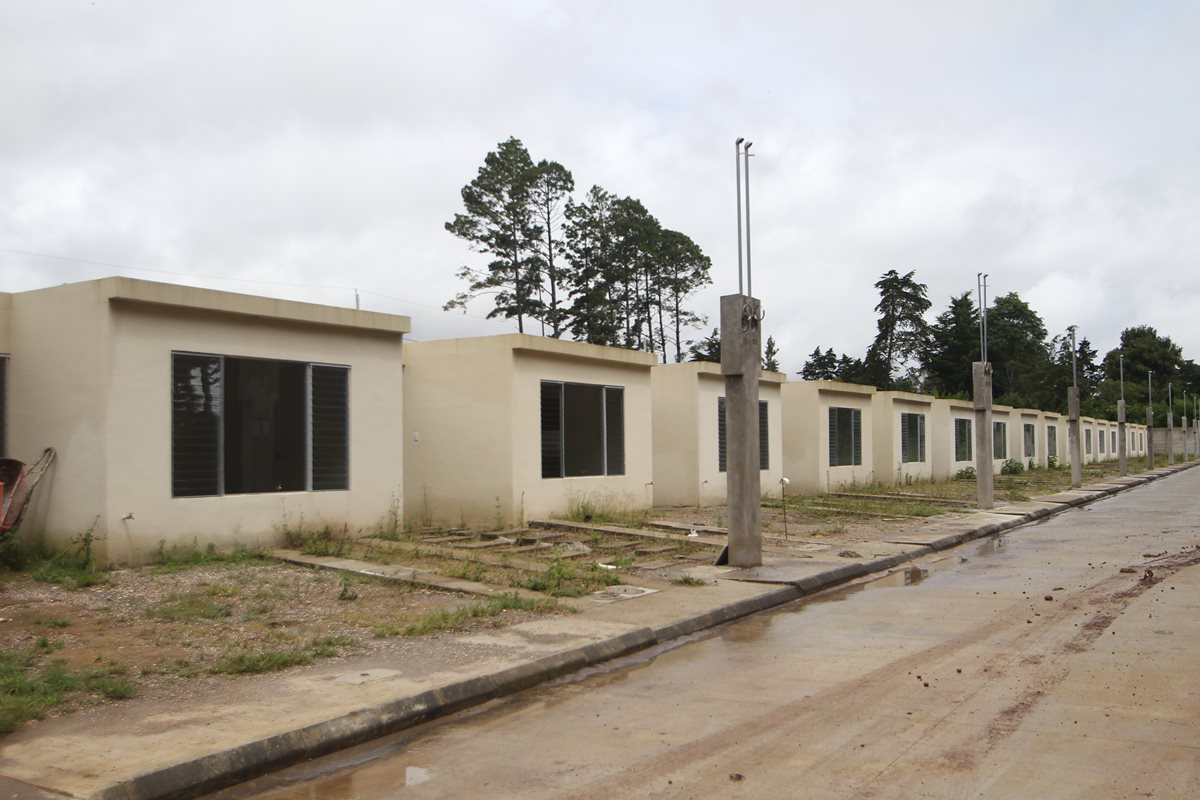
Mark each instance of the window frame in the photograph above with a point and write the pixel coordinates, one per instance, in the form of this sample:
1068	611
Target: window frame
854	417
962	439
764	436
912	419
999	440
611	417
1029	440
218	484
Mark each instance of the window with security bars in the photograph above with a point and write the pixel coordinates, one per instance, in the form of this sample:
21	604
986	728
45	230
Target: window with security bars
845	437
583	430
999	440
912	438
1087	441
1100	441
962	440
1052	440
1114	441
247	425
1027	436
764	438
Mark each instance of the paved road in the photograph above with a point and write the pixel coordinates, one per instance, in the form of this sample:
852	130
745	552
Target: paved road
1025	666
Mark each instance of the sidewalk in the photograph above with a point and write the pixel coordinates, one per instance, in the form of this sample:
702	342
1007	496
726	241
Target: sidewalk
141	751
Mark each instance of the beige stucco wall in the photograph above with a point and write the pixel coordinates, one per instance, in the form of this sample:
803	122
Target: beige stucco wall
944	412
886	409
58	368
676	435
92	377
579	363
5	323
457	431
686	441
806	407
473	428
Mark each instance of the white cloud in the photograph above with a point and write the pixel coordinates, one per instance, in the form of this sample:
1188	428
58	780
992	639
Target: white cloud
306	144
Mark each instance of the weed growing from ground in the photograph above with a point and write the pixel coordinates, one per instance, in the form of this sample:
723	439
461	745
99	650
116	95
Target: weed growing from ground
454	618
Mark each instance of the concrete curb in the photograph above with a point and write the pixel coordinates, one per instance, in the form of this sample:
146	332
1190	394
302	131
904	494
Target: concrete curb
208	773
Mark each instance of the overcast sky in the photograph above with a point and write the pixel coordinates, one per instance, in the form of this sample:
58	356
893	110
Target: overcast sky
303	149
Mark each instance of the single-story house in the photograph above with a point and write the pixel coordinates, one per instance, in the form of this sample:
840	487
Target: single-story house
186	415
903	423
828	435
502	429
689	433
953	437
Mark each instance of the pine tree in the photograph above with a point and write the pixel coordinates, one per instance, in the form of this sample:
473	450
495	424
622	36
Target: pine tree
499	221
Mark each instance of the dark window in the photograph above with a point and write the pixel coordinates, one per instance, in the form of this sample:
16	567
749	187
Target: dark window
583	430
962	440
1087	441
999	440
1030	448
764	438
1100	440
845	437
1052	441
245	425
912	438
1114	442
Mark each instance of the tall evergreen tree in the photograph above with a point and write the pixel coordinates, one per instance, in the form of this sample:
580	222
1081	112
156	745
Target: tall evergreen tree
770	360
706	349
901	329
820	366
591	244
499	221
1017	349
952	347
681	269
549	190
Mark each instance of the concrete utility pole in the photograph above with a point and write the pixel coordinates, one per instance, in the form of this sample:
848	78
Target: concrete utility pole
1121	438
1170	426
1150	419
1073	422
981	381
1185	428
741	364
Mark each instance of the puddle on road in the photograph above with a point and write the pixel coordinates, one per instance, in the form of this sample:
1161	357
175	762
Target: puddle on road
992	545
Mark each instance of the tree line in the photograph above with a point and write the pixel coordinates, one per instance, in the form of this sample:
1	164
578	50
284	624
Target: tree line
600	269
1030	368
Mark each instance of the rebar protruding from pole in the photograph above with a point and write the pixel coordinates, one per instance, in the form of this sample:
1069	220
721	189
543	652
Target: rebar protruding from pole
749	273
737	166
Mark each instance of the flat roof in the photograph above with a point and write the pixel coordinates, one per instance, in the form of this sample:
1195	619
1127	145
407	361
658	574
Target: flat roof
132	290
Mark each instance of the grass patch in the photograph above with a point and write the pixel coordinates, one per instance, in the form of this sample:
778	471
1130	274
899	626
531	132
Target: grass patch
567	579
188	607
327	541
454	618
245	662
689	580
30	687
605	510
183	557
53	622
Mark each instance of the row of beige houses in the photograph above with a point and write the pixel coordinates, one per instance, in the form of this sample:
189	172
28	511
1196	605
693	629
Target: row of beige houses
187	415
